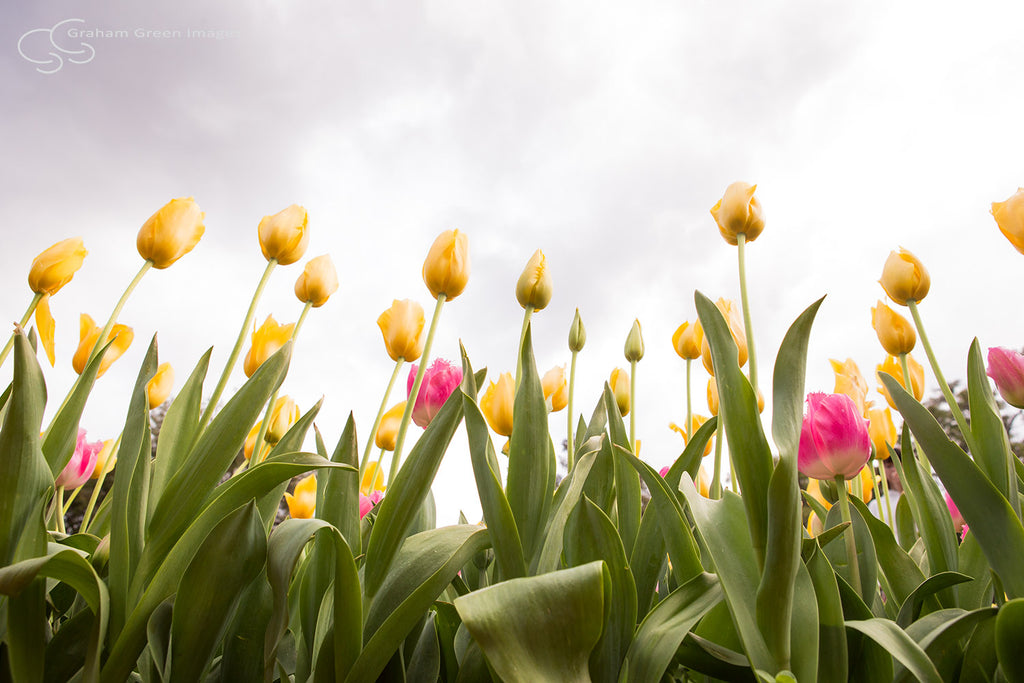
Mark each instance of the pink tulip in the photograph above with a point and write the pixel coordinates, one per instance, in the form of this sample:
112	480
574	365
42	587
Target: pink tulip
959	525
439	381
80	467
834	439
366	503
663	471
1006	367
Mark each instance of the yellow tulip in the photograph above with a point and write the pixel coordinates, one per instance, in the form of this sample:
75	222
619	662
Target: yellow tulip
55	267
881	430
171	232
895	332
535	286
814	490
713	396
402	327
634	348
387	432
703	482
619	382
250	440
556	388
46	326
284	415
318	281
285	235
88	333
1009	217
850	381
687	339
265	342
101	459
904	277
867	489
696	421
159	387
373	477
892	367
734	320
739	211
302	504
446	268
497	404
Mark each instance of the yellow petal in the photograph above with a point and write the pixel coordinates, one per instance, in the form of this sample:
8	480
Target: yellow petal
45	325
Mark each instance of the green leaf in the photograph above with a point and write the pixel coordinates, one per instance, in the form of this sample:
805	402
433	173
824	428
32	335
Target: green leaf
425	662
896	641
977	593
648	558
788	383
940	635
980	658
911	607
337	494
692	455
547	560
834	662
990	442
902	575
243	642
866	559
1010	639
627	481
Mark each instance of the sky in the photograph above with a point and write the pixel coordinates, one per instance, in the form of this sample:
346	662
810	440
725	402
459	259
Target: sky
600	132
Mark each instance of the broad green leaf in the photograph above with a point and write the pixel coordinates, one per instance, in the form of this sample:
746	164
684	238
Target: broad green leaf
337	494
866	559
989	440
896	641
548	559
692	455
291	442
804	629
980	658
244	640
902	575
711	658
834	660
906	532
627	481
911	607
647	559
1010	639
940	634
425	662
977	593
788	383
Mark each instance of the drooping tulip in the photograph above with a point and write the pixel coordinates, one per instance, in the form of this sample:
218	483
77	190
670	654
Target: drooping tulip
881	430
302	503
619	382
1009	217
284	415
696	422
266	341
387	432
895	332
402	327
54	267
88	333
556	389
634	348
439	381
834	438
892	366
850	381
82	463
687	340
318	281
159	387
904	277
497	403
285	235
1006	368
171	232
739	211
734	319
535	286
446	268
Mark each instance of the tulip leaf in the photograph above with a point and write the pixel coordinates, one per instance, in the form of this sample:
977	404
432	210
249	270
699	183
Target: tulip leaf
1010	639
831	630
242	659
690	459
425	662
292	441
911	607
647	559
940	634
977	593
788	383
540	628
980	660
337	493
627	481
902	575
866	559
547	560
896	641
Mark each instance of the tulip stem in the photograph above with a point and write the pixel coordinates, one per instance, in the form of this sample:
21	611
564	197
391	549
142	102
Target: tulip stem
108	465
24	319
885	492
570	455
59	510
716	481
851	541
954	407
632	406
380	415
527	314
689	405
874	489
741	242
921	456
211	405
414	392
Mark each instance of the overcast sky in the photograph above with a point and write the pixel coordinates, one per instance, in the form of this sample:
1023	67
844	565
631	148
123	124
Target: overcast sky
600	132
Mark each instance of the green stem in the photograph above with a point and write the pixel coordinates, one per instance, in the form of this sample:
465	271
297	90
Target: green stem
741	243
885	492
715	492
689	405
954	407
571	450
851	541
527	314
414	392
59	509
71	499
632	406
108	465
874	489
733	484
380	415
102	339
921	456
24	320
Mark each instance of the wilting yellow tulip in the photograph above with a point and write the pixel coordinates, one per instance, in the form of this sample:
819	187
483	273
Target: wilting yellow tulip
302	504
713	396
1009	217
881	430
904	277
285	235
446	268
619	382
497	403
402	327
101	459
696	422
535	286
318	281
634	348
54	267
387	432
895	332
46	326
250	440
171	232
739	211
891	365
850	381
734	320
373	477
265	343
159	387
687	339
284	415
88	333
556	388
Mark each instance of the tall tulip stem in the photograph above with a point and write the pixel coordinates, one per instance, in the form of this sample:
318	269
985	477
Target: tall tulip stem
59	511
570	446
716	479
851	541
102	339
689	405
885	493
741	243
950	398
108	465
874	487
921	456
380	415
632	406
24	320
527	314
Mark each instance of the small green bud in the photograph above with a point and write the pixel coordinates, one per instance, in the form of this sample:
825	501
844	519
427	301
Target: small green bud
634	343
577	334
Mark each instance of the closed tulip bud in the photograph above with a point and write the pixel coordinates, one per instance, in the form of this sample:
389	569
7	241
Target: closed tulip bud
402	327
159	387
833	439
1006	368
55	267
904	277
373	477
713	396
535	287
284	415
634	348
439	381
498	402
387	432
577	333
88	333
895	332
446	269
739	211
1009	217
171	232
302	503
556	389
106	453
687	340
82	463
881	430
318	281
892	366
285	235
619	382
850	381
265	343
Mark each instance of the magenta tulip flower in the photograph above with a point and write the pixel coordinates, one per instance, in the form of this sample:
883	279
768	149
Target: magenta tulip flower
834	439
1006	367
366	503
439	381
83	461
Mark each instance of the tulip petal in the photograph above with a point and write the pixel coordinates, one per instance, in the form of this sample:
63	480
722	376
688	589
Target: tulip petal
45	325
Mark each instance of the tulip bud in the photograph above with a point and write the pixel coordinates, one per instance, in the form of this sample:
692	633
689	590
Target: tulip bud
739	212
159	387
285	235
265	343
302	504
55	267
82	463
446	268
1006	368
439	381
634	349
904	277
895	332
373	477
882	431
498	402
534	287
687	340
850	381
402	327
833	439
713	396
318	281
556	389
88	333
619	382
387	432
284	415
892	367
1009	217
106	453
577	334
171	232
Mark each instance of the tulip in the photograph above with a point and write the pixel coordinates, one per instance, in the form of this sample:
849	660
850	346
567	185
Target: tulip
367	503
881	430
634	348
577	333
55	267
302	504
446	268
46	326
171	232
439	381
402	327
904	277
535	288
387	432
159	387
895	332
284	415
498	402
265	343
106	453
88	333
867	485
318	281
814	491
1009	217
959	526
850	381
556	389
739	212
687	340
892	366
834	438
739	335
619	382
696	422
285	235
1006	368
250	440
373	478
713	396
81	465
